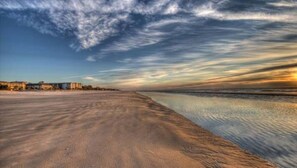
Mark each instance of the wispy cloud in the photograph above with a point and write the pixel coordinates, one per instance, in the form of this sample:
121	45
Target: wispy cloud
100	73
115	70
172	8
93	21
168	42
284	4
91	59
90	78
149	34
143	60
209	10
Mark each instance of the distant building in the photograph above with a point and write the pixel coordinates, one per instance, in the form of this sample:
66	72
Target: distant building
16	85
39	86
49	86
67	85
4	85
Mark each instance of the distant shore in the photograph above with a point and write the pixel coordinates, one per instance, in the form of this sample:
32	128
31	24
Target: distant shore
292	92
106	129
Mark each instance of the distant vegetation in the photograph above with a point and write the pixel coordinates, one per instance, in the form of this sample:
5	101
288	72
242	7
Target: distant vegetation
90	87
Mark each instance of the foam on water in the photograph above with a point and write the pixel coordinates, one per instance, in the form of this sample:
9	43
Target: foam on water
265	126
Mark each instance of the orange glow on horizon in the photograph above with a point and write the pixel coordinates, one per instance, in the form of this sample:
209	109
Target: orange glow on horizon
294	76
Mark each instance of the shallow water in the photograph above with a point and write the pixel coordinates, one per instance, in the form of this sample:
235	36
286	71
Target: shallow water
263	125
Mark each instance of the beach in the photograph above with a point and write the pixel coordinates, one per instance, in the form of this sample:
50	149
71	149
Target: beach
107	129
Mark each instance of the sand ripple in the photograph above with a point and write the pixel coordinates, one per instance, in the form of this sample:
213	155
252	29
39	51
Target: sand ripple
106	129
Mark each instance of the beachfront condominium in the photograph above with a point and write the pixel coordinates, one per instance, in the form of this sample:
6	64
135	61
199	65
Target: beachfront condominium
67	85
4	85
16	85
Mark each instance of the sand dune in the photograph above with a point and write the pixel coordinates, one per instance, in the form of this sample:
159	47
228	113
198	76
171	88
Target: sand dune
106	129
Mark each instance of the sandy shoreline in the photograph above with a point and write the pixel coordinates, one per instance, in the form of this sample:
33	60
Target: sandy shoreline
106	129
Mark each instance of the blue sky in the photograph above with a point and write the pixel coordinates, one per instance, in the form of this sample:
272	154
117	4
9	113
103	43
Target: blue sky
153	44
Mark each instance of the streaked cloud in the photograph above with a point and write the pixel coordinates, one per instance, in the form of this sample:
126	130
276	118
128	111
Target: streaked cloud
93	21
114	70
90	78
91	59
209	10
170	43
284	4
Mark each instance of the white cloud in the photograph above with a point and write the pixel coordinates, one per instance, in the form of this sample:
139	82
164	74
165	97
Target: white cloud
30	20
141	38
208	10
93	21
172	9
90	21
149	59
91	59
259	16
165	22
90	78
146	60
93	28
150	34
114	70
284	4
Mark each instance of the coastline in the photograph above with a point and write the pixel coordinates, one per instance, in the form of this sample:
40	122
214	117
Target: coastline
235	93
108	129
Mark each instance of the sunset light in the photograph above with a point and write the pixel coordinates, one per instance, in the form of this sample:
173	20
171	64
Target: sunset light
148	83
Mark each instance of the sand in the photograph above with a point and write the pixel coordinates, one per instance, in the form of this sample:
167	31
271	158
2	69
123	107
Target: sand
106	129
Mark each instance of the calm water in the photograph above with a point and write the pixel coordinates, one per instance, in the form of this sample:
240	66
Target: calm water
265	126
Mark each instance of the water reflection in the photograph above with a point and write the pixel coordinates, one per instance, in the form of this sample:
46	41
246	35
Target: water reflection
266	126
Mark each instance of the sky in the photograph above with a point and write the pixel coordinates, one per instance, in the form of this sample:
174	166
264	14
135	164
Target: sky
150	44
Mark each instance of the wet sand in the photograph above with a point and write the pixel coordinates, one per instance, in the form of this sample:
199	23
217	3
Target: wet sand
106	129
